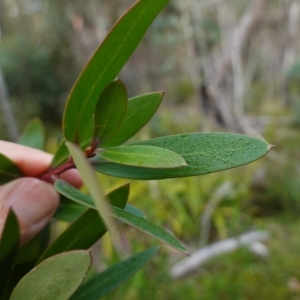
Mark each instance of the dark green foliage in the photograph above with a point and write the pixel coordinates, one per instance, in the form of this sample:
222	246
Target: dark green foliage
140	110
105	282
110	111
8	170
97	119
105	65
9	245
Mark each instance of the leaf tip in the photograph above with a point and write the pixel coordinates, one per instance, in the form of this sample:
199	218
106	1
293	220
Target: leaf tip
270	147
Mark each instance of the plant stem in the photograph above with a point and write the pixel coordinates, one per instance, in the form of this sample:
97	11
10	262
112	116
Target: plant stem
52	174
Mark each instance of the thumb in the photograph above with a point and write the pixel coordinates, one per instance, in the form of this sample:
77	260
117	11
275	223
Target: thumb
34	202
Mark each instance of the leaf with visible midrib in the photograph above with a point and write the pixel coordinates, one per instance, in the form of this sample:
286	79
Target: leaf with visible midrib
103	283
55	278
87	229
203	152
125	216
140	156
110	111
105	65
139	111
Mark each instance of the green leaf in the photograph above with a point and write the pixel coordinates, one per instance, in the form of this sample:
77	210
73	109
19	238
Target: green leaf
124	216
148	227
140	156
105	65
9	245
110	111
87	229
92	184
28	255
61	155
69	210
135	211
56	278
119	196
34	135
139	112
8	170
103	283
203	152
81	234
74	194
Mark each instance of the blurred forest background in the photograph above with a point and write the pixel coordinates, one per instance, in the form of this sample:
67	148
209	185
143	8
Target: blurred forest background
226	65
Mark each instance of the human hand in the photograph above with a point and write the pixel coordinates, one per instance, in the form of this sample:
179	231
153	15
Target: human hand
34	201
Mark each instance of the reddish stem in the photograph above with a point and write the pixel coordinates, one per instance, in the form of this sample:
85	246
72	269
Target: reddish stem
52	174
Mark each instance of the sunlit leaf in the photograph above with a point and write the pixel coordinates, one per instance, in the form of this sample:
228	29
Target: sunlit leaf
140	156
34	135
56	278
8	170
105	282
203	152
9	244
110	111
139	111
105	65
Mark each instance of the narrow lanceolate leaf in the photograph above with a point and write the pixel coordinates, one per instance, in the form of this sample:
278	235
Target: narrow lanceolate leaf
110	111
69	210
139	112
126	217
140	156
8	170
203	152
34	135
105	282
9	244
148	227
105	65
92	184
85	230
56	278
